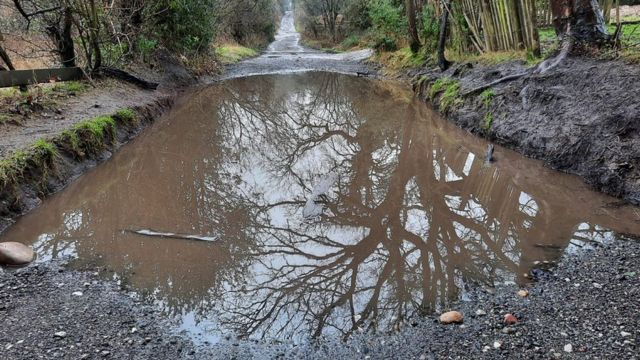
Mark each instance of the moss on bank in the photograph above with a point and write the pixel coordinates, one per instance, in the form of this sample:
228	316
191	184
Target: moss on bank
37	162
450	90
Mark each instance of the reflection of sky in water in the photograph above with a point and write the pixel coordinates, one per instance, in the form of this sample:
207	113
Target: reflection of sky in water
412	219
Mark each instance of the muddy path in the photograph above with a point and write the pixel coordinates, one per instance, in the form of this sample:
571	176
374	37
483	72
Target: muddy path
307	214
287	55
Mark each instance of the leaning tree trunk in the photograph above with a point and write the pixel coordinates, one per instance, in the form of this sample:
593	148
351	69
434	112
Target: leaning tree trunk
413	27
582	19
5	57
7	60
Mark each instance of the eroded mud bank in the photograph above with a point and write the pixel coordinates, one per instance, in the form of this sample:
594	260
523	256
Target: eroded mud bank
581	117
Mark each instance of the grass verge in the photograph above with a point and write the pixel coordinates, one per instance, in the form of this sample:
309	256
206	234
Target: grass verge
37	162
231	54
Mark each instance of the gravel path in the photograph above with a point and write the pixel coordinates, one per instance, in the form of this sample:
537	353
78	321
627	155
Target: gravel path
286	55
587	307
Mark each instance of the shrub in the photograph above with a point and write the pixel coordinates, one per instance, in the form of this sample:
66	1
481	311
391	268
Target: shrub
187	25
388	18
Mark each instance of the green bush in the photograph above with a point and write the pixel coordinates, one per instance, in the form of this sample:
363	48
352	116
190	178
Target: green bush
358	14
385	43
184	25
430	27
146	47
351	41
388	18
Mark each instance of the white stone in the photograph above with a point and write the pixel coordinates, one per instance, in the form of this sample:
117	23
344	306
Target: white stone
15	254
568	348
452	317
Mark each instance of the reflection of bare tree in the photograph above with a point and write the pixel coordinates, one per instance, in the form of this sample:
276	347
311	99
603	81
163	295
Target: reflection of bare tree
413	218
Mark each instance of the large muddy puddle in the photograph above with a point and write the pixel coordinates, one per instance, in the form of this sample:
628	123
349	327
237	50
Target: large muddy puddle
292	206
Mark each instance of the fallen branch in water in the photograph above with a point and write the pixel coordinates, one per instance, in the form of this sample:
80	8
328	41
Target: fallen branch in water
151	233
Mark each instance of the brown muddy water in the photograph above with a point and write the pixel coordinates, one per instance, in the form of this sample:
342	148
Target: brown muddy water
292	206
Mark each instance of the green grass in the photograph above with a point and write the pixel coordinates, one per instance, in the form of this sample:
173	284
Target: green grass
487	97
4	118
126	115
451	97
71	86
351	42
9	92
488	121
71	137
39	155
231	54
402	59
450	89
630	34
99	128
45	148
440	85
497	57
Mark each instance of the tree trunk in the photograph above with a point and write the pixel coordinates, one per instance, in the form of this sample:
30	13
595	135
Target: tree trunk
582	19
443	63
6	59
414	39
606	6
65	45
529	23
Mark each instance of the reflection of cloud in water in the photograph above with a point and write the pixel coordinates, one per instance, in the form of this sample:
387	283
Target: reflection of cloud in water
407	214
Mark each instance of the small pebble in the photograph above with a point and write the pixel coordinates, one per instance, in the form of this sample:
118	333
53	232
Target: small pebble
60	334
452	317
77	293
510	319
568	348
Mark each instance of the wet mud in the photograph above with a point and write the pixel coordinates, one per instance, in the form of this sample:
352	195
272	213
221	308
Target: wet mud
581	117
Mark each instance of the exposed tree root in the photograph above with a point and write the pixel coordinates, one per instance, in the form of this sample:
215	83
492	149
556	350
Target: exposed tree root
125	76
544	67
